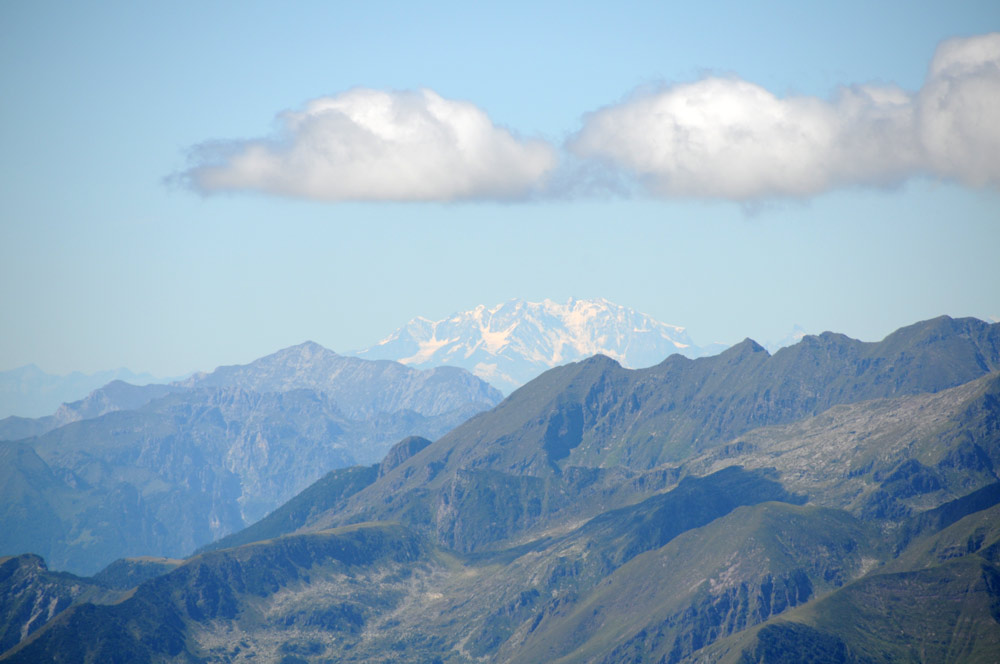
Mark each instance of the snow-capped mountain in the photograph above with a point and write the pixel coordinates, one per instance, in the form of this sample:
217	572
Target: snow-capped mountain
511	343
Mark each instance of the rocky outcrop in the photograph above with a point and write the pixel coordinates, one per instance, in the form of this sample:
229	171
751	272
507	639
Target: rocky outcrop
402	451
31	595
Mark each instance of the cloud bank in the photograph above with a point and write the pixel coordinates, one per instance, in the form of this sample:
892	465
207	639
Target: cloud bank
374	145
716	138
731	139
727	138
958	111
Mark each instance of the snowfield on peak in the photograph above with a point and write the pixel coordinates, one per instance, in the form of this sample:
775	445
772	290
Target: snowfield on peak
513	342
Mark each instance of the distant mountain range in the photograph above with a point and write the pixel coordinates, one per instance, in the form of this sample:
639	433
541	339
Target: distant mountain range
30	392
506	345
512	343
163	469
837	502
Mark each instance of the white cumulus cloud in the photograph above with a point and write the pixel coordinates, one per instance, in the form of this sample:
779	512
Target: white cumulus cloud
959	110
729	138
718	137
369	144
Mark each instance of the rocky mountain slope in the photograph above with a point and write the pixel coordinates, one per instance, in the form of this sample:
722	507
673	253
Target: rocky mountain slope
834	502
163	470
358	387
590	428
512	343
712	590
937	602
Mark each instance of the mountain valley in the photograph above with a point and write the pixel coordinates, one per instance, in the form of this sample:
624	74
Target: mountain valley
833	502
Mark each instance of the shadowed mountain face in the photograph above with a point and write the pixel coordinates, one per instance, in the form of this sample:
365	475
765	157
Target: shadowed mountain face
628	427
252	584
595	413
162	470
833	502
31	595
363	593
939	601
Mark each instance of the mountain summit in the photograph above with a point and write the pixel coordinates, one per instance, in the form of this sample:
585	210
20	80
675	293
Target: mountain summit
164	469
512	343
359	387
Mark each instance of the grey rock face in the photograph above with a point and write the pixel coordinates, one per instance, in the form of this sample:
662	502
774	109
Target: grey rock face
162	470
360	388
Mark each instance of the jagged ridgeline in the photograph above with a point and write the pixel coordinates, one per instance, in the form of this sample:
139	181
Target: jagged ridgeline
834	502
163	469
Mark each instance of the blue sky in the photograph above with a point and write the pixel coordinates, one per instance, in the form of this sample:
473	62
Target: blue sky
161	209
